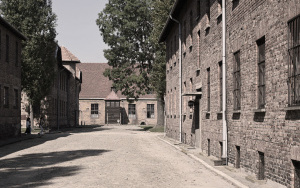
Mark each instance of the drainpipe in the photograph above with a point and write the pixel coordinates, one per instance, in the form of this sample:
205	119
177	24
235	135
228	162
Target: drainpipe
225	141
180	79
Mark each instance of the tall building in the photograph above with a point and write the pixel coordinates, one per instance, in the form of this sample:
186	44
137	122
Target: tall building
259	128
10	80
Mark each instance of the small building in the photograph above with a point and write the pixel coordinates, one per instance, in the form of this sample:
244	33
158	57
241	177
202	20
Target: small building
100	104
262	85
10	80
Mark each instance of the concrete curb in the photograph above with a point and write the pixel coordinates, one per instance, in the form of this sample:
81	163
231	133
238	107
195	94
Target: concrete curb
218	172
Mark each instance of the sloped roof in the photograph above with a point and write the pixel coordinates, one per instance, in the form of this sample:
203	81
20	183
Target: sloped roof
12	28
68	56
95	84
112	96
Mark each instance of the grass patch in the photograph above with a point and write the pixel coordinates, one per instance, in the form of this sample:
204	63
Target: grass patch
158	129
146	127
35	130
152	128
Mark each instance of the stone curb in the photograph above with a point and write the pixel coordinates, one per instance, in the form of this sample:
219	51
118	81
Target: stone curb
218	172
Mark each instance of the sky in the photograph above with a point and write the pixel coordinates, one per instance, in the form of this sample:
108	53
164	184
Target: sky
77	29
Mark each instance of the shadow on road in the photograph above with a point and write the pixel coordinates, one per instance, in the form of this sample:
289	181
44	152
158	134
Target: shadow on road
33	170
53	135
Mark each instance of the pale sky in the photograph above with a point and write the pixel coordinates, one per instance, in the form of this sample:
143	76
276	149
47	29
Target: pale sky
77	29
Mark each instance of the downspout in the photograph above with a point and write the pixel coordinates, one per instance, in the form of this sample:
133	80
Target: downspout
180	79
225	141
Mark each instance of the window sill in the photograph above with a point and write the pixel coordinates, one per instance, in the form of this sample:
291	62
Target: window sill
291	108
236	111
259	110
219	16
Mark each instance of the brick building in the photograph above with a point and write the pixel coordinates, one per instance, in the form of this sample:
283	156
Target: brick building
60	107
100	104
10	80
262	109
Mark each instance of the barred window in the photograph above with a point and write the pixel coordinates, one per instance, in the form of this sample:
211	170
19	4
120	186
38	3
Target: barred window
208	9
191	25
17	54
16	98
237	82
94	108
261	73
150	110
7	49
294	62
131	111
198	8
208	89
6	97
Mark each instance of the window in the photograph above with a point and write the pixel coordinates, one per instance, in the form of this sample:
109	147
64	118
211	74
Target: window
191	27
7	49
208	9
131	111
198	9
150	110
237	82
235	3
175	41
294	61
6	97
95	109
17	54
184	32
208	89
261	166
0	44
16	101
171	45
221	85
238	157
261	73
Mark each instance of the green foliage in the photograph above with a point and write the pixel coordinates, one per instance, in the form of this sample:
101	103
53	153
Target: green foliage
126	26
36	21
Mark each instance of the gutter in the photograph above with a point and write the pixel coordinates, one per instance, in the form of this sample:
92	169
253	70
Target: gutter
224	121
179	79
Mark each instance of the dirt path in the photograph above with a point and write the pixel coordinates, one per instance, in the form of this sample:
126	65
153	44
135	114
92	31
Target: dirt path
110	156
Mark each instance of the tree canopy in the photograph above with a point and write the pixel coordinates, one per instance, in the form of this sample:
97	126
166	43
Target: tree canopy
126	26
160	12
131	29
35	20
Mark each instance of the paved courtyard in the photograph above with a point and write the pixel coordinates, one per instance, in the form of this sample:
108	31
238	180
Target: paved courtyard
109	156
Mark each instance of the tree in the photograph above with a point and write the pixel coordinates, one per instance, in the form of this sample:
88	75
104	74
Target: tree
126	26
35	20
160	14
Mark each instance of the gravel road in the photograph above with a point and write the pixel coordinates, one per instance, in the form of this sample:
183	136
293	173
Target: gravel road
109	156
